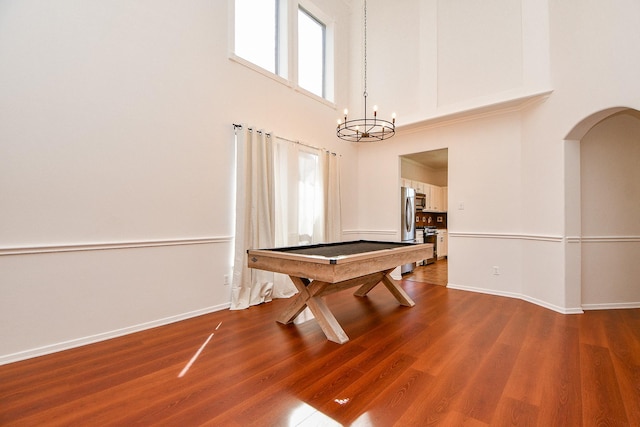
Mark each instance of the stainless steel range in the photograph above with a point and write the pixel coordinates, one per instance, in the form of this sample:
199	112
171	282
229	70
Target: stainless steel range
431	236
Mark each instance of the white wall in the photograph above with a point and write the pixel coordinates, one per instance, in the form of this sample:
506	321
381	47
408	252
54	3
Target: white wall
444	57
479	49
116	162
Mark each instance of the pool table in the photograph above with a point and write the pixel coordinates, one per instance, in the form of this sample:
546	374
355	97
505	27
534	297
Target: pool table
319	270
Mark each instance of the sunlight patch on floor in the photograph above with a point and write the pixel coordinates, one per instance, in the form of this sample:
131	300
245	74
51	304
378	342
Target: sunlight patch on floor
195	356
307	416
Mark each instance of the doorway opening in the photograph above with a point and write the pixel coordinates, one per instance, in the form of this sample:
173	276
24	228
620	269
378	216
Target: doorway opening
428	173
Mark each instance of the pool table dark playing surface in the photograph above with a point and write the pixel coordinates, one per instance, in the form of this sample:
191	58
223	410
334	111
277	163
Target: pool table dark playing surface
319	270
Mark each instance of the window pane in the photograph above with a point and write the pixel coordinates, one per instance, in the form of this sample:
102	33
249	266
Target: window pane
307	196
255	32
310	53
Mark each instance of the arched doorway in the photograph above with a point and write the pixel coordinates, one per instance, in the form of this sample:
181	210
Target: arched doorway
602	194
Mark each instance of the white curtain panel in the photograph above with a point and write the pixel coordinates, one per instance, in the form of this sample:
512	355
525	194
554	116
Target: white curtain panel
286	208
332	212
255	216
287	194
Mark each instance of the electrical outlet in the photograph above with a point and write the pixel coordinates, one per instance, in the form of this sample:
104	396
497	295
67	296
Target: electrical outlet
496	270
461	206
226	280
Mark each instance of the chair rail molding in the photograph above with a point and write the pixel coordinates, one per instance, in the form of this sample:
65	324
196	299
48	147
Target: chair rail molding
506	236
101	246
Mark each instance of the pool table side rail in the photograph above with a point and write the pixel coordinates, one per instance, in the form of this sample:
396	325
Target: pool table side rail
332	250
342	268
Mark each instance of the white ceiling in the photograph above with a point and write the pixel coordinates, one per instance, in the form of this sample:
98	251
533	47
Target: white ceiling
435	159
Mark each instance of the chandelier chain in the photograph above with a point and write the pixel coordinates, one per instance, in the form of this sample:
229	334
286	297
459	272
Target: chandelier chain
365	50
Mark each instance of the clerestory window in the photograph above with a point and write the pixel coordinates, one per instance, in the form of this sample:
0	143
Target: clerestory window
264	36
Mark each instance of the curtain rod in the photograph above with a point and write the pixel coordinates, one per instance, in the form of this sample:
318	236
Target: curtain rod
236	126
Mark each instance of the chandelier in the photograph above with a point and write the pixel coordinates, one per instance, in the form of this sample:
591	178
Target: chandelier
366	129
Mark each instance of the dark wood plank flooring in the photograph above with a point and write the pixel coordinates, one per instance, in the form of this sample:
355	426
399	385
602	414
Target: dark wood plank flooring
456	358
436	273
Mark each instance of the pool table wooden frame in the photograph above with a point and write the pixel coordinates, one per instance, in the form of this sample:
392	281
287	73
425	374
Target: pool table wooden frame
317	276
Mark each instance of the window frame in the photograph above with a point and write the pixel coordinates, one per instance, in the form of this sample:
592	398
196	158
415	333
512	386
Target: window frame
287	47
282	70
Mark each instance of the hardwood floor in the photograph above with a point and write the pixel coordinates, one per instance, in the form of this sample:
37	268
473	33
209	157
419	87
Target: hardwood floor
456	358
435	274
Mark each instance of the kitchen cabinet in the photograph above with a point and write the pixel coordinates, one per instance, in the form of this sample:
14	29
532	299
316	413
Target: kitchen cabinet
427	195
436	198
426	190
442	243
404	182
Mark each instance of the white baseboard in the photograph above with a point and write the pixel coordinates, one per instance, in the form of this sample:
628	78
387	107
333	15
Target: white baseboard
545	304
611	306
67	345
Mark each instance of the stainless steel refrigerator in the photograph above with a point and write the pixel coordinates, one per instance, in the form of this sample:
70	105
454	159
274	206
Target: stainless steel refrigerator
408	223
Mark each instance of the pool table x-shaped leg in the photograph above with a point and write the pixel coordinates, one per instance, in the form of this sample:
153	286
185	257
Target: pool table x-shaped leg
311	293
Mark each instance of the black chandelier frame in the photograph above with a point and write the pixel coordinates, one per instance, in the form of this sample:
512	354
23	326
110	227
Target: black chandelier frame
366	130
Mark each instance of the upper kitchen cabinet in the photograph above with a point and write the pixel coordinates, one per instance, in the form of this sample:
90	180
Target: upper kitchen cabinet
436	198
435	201
439	198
